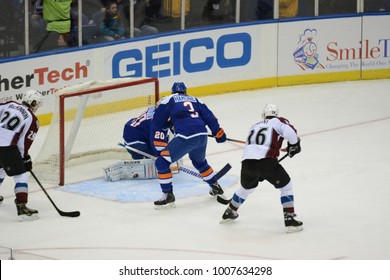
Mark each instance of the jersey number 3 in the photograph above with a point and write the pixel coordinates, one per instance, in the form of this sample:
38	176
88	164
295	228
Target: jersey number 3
191	109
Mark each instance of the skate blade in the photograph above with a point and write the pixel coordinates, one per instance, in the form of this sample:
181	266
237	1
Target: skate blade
166	206
293	229
25	218
227	221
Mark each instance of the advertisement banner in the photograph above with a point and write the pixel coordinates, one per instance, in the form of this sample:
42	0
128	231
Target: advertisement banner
318	46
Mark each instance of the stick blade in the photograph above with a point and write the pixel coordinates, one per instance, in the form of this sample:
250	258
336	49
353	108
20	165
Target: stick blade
73	214
223	201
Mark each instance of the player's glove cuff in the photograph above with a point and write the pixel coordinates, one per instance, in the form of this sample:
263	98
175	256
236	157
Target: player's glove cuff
27	163
220	137
293	149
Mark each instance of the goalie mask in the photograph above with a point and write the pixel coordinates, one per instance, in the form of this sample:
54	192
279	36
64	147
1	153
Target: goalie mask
270	110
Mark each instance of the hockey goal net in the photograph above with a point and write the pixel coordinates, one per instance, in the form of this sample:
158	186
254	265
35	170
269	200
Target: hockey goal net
88	121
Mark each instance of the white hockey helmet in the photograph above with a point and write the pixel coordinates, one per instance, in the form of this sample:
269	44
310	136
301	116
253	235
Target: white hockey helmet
270	110
33	99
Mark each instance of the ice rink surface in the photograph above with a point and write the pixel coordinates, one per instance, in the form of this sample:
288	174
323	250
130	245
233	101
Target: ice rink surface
341	184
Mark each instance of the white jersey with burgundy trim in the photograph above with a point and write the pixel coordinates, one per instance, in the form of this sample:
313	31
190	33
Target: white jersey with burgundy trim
18	126
265	138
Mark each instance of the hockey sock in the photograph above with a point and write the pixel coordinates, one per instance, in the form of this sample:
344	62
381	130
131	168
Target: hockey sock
239	197
287	198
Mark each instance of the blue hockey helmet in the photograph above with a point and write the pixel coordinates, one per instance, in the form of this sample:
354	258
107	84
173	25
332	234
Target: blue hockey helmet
179	87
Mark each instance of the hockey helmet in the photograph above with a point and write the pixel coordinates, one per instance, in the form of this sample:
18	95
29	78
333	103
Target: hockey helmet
32	99
179	87
270	110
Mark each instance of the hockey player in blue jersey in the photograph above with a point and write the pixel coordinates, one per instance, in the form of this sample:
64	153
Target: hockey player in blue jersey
137	134
189	117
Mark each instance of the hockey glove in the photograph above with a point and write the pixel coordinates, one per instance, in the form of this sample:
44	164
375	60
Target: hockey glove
294	149
220	137
27	163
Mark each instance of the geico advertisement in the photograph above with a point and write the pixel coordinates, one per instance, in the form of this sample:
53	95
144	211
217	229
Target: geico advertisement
195	57
331	45
46	74
376	42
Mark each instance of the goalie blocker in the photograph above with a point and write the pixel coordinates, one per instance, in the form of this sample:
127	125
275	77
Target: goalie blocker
134	169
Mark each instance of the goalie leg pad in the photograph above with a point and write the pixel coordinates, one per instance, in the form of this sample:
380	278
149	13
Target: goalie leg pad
134	169
131	169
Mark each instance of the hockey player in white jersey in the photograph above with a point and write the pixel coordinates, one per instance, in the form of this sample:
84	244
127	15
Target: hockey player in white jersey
18	127
260	162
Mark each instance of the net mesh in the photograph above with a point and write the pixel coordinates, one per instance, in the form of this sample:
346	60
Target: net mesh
93	123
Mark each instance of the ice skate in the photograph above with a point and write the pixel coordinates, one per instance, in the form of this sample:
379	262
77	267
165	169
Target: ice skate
25	213
229	215
215	189
166	200
291	224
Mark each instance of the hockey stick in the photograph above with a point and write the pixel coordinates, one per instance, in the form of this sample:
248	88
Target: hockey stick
229	139
218	175
62	213
227	201
283	157
243	142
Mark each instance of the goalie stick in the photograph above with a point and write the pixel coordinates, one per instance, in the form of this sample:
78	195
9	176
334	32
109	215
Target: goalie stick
62	213
218	175
224	201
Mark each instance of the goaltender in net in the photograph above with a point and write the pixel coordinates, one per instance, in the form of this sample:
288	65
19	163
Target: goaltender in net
137	134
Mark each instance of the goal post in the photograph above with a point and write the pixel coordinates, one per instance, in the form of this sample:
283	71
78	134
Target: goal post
88	122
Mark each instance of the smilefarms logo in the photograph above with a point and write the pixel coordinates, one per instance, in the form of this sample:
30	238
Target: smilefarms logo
341	54
306	55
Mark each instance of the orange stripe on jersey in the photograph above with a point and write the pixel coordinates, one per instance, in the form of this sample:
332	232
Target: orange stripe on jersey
165	153
160	144
164	176
207	172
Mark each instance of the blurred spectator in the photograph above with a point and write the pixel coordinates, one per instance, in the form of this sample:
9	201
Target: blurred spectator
288	8
58	21
57	15
112	26
153	10
141	28
37	23
64	40
176	8
37	15
210	11
265	9
91	6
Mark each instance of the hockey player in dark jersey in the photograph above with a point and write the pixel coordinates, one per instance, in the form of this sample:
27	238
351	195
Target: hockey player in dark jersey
259	162
137	135
18	127
189	116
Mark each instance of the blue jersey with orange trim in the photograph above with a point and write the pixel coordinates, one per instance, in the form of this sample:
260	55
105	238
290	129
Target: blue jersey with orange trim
188	114
138	130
